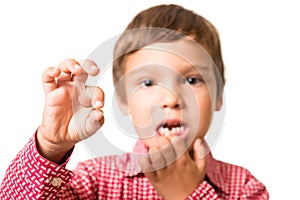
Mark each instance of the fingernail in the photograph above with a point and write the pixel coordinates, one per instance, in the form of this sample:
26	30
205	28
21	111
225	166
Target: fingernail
202	154
93	68
77	66
198	143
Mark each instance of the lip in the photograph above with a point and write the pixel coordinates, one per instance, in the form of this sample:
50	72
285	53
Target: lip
174	122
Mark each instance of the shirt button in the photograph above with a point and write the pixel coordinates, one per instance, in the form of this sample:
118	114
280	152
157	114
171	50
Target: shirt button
56	182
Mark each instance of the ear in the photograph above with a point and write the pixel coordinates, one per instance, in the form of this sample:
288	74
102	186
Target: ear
219	102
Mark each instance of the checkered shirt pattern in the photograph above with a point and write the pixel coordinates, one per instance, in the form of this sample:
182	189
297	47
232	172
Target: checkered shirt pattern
31	177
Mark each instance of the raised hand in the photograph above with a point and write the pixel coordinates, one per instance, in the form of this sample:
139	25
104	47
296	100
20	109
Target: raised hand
72	111
172	170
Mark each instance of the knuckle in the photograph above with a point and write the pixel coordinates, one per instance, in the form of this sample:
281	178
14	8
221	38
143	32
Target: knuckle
86	62
68	62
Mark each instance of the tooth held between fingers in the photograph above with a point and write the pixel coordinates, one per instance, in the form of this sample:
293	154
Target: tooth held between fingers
98	104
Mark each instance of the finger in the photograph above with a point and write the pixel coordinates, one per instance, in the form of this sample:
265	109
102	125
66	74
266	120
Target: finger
199	153
166	150
156	158
145	164
49	81
148	169
96	94
178	145
90	67
81	96
93	122
69	68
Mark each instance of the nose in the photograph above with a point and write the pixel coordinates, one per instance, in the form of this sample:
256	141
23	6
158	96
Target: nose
170	100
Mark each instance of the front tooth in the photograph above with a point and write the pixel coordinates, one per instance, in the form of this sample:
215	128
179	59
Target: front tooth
161	130
177	130
167	133
181	128
173	131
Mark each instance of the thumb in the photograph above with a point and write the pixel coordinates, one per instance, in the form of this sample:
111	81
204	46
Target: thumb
199	153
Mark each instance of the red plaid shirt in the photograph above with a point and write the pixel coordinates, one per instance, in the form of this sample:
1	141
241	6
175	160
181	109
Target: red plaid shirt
30	176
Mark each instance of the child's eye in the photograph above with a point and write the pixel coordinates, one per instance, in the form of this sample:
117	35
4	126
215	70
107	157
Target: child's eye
194	80
147	83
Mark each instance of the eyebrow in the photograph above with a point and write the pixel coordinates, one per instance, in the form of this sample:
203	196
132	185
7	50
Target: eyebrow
190	68
143	69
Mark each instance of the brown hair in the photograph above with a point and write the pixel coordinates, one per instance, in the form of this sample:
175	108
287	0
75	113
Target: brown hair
166	23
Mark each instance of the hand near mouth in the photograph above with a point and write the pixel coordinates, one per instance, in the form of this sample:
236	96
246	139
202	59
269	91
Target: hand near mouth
171	169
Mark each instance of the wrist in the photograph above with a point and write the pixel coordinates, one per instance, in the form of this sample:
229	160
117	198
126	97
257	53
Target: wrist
50	150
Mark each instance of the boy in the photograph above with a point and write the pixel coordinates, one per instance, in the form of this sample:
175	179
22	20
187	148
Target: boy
169	86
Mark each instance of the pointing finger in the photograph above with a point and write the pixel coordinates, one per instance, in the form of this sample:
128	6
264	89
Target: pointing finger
90	67
145	164
200	153
69	66
178	145
166	150
156	158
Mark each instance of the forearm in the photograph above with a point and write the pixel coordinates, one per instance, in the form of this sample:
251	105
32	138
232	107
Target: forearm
30	176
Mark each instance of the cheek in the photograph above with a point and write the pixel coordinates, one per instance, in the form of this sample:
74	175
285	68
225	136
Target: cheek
205	114
140	111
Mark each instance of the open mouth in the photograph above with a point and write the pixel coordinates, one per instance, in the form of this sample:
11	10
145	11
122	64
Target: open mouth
172	128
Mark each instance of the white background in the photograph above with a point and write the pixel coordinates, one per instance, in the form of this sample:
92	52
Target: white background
260	41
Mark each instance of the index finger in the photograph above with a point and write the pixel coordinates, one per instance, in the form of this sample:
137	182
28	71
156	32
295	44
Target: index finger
90	67
167	150
179	145
70	66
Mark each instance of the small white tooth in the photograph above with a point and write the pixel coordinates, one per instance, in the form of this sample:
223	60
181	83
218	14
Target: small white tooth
172	131
178	130
181	128
160	130
167	133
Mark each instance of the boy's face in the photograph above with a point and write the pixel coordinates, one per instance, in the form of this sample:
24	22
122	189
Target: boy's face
169	91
